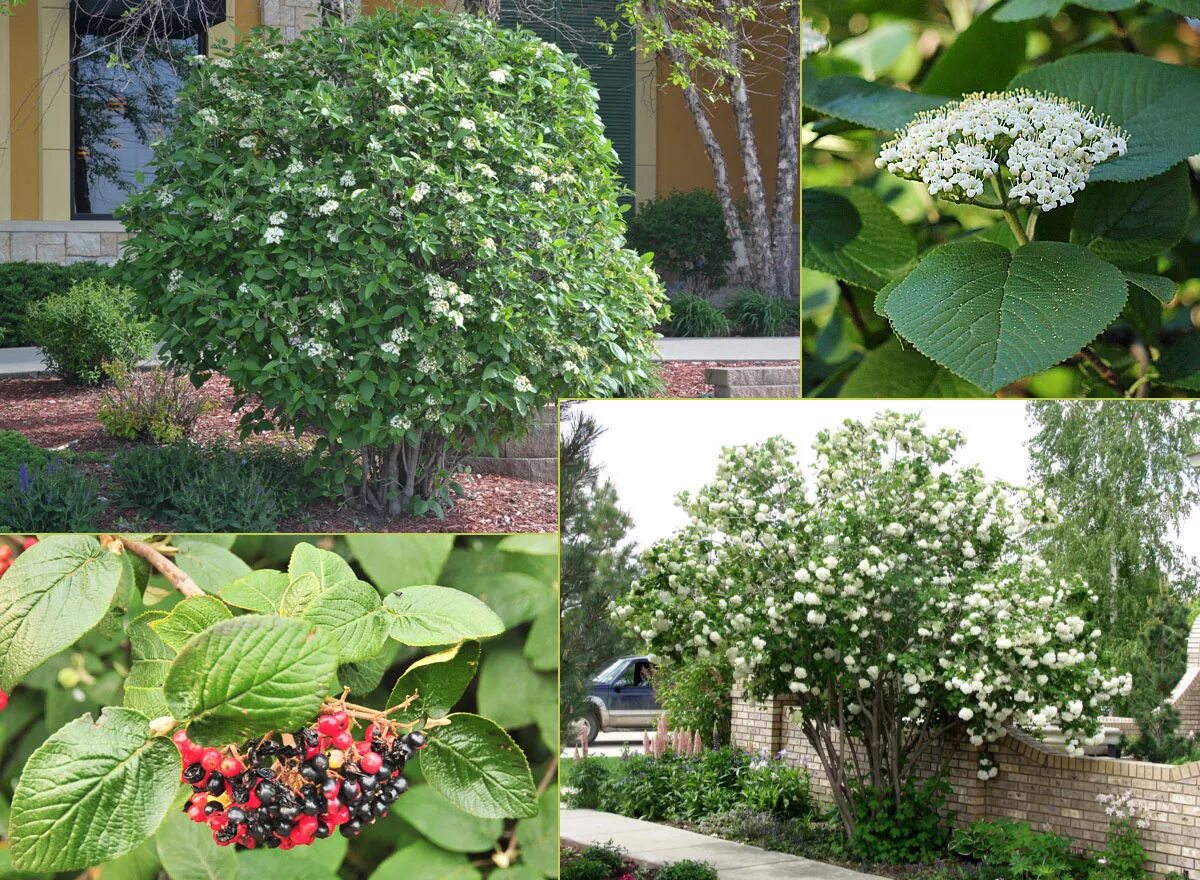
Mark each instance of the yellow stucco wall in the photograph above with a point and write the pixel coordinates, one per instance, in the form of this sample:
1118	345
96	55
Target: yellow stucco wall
24	66
5	147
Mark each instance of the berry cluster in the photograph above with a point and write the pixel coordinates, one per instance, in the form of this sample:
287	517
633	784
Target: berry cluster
8	554
290	791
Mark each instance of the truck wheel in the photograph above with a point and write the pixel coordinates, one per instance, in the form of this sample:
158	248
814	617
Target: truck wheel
592	716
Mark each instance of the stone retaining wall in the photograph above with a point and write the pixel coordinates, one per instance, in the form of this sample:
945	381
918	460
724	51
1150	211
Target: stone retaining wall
1037	783
76	241
743	382
534	457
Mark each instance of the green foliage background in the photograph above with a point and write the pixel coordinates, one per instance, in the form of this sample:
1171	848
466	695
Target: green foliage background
425	837
1121	266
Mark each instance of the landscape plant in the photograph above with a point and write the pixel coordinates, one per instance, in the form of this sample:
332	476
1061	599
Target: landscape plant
152	405
23	283
694	317
53	496
892	594
404	248
686	233
1000	197
167	708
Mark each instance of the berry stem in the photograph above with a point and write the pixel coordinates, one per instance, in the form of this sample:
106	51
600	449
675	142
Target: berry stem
1010	214
176	576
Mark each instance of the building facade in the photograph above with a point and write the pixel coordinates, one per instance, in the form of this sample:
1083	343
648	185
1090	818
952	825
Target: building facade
61	173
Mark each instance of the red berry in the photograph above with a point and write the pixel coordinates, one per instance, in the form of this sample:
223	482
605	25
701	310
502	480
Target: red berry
217	821
231	767
196	814
343	740
211	759
371	762
180	738
6	552
286	843
3	700
342	719
327	725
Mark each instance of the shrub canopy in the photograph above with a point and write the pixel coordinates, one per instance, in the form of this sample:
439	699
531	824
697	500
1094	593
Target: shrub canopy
400	229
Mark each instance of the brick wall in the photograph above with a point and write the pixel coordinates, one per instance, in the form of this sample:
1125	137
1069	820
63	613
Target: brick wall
1037	783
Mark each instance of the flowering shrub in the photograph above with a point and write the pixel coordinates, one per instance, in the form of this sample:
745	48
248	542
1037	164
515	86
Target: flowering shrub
890	591
1002	216
401	234
1124	857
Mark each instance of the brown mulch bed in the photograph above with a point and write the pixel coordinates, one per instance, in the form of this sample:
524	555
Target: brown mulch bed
686	378
55	415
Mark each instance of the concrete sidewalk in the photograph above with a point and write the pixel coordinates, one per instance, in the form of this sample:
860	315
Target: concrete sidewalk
24	363
733	348
657	844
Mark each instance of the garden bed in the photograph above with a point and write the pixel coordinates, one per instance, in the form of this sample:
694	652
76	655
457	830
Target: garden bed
686	378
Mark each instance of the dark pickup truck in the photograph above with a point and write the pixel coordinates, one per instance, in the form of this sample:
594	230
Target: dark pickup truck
622	698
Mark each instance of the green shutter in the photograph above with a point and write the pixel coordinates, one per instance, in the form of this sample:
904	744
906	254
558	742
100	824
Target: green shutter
573	28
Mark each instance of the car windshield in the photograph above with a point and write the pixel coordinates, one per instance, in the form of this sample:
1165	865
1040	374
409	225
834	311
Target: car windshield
610	673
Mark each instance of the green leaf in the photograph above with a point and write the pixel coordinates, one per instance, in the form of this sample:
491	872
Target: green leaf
1157	104
277	864
248	676
144	687
1190	8
424	861
144	642
365	676
869	104
896	371
425	809
300	593
91	792
209	563
478	767
439	680
995	316
260	591
534	544
138	864
509	689
396	561
851	234
1180	366
539	835
542	645
1127	223
191	616
349	612
52	594
1021	10
514	595
983	58
188	852
439	616
326	566
1162	289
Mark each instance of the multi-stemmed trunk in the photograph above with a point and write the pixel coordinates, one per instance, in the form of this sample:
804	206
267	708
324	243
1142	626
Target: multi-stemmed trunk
394	476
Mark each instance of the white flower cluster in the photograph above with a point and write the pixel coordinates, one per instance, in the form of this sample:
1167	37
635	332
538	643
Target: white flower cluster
1047	144
1122	807
812	40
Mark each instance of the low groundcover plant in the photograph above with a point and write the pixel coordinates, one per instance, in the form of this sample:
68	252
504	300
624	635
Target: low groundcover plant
403	235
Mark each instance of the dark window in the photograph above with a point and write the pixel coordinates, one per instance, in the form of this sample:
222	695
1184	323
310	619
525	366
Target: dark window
119	109
571	25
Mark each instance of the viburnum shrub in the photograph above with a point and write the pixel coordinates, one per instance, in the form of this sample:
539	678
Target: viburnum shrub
225	726
401	234
1005	216
889	592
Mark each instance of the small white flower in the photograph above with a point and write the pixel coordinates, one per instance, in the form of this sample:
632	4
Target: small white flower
273	235
165	197
347	179
522	384
812	40
209	116
249	142
397	109
328	207
278	218
466	124
498	76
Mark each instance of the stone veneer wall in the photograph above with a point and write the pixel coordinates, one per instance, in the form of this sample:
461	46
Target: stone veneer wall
1036	784
61	241
534	457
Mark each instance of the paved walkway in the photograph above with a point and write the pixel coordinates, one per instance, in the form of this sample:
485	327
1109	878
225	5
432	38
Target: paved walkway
656	844
16	363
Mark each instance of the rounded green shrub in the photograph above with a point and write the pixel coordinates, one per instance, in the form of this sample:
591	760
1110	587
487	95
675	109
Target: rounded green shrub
686	233
688	869
23	283
16	450
757	314
90	325
403	235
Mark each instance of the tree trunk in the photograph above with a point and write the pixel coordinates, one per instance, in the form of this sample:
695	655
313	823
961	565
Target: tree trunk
484	8
787	172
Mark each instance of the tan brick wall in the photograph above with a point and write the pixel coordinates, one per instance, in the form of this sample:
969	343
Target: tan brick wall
1036	784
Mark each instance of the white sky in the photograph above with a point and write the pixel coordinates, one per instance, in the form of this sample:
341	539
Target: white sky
653	449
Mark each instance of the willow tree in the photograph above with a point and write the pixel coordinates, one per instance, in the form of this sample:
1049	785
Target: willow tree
1120	477
715	50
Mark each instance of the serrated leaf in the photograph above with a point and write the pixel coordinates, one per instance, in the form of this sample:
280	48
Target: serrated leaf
896	371
439	680
327	567
188	852
349	612
1162	289
191	616
851	234
1128	223
429	615
995	316
983	58
869	104
52	594
364	676
478	767
396	561
144	687
210	564
300	593
93	791
1157	104
144	642
444	824
424	861
260	591
248	676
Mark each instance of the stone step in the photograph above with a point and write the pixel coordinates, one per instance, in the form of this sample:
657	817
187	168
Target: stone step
747	391
757	376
